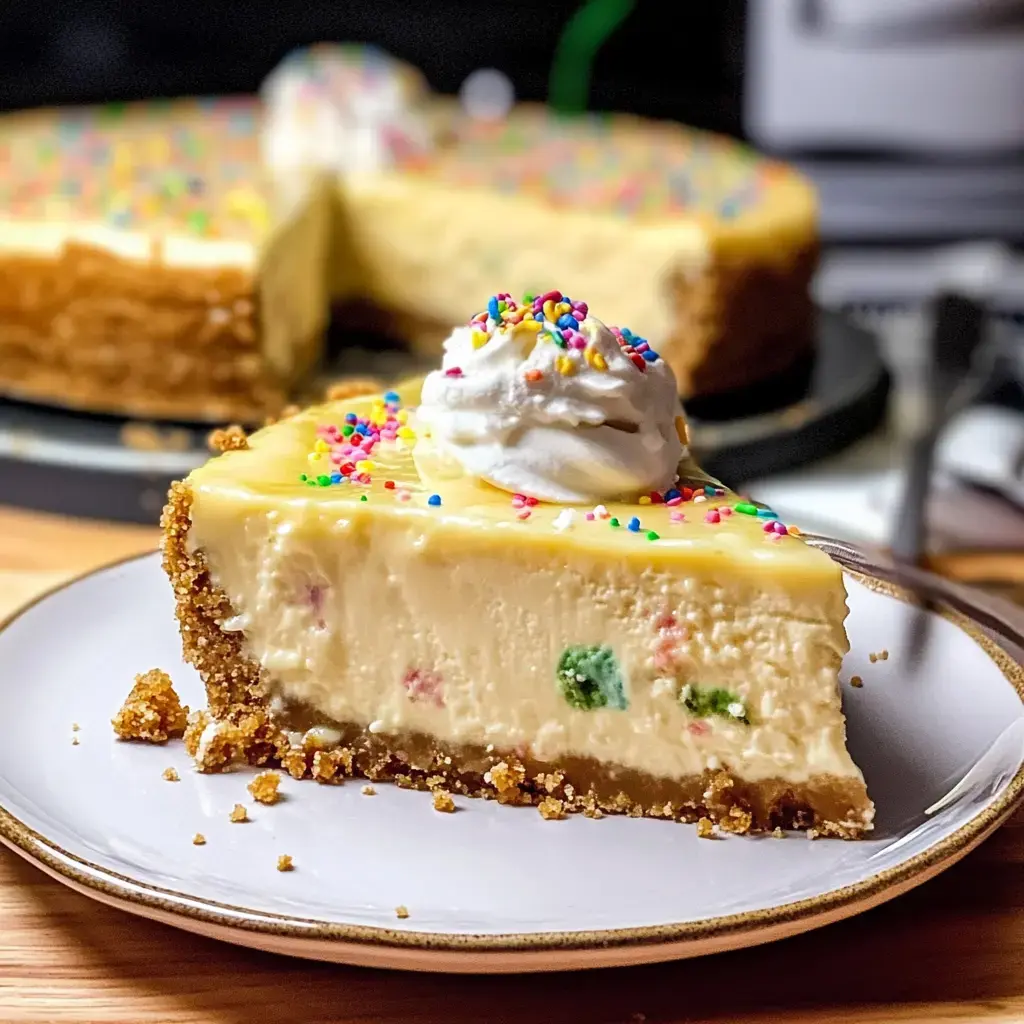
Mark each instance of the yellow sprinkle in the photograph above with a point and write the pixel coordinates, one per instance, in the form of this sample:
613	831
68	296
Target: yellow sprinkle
549	310
321	445
366	465
528	315
682	432
644	499
313	456
563	307
530	325
595	359
479	339
402	416
406	432
565	366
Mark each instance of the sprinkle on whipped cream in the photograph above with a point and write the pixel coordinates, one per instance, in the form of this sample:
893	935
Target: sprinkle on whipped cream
541	399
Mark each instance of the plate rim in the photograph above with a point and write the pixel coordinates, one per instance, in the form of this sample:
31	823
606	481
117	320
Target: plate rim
156	901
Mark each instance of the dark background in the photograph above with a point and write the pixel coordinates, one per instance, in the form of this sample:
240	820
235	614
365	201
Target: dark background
679	59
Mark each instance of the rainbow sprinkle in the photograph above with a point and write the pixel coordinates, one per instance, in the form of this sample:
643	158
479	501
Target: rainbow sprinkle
342	453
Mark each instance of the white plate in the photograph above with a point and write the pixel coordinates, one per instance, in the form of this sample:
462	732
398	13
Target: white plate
490	887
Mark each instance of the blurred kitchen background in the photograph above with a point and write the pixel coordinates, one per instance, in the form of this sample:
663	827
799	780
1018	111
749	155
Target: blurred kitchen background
908	114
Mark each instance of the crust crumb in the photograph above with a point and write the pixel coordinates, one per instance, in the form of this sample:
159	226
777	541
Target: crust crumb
777	833
738	821
340	390
228	439
551	809
152	711
401	911
284	863
295	762
75	727
705	828
856	682
443	801
506	780
218	746
171	775
330	766
74	741
264	788
368	791
199	839
239	813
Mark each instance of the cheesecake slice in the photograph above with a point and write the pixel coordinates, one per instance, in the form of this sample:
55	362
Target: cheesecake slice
511	580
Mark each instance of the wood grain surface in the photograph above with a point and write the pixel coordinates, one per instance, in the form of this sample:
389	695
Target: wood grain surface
950	951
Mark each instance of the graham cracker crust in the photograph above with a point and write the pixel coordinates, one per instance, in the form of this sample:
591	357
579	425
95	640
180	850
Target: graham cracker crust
92	331
239	700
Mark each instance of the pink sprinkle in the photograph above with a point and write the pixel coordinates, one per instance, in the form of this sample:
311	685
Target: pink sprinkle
455	371
699	728
677	517
523	513
780	528
726	511
589	517
769	527
518	501
404	495
675	501
581	309
712	517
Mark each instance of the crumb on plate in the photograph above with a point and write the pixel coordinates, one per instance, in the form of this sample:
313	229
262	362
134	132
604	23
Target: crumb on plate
705	828
443	801
171	775
551	809
264	788
856	682
402	911
368	791
284	863
239	813
199	839
152	711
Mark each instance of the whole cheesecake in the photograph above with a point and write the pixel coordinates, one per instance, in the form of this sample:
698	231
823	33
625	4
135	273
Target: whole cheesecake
181	259
511	580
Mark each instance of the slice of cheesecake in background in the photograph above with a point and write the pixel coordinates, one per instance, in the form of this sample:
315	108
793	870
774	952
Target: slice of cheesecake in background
511	580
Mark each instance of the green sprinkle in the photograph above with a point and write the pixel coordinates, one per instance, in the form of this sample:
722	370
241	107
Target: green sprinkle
363	497
589	677
527	299
746	508
323	481
651	535
613	521
303	477
310	482
198	221
705	702
348	430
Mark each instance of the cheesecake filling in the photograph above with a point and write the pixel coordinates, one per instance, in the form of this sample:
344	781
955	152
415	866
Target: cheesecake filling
669	674
540	398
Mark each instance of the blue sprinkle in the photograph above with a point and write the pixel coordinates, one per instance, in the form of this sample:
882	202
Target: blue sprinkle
362	429
627	333
568	321
350	417
634	525
709	491
649	356
767	513
335	478
672	494
435	499
392	396
493	312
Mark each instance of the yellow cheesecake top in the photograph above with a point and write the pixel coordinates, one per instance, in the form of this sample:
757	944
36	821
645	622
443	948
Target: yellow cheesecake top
306	469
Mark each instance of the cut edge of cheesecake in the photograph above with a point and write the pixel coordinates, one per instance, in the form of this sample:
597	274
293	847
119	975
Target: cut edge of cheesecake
244	725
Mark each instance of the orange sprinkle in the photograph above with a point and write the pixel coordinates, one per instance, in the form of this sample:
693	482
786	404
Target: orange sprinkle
533	376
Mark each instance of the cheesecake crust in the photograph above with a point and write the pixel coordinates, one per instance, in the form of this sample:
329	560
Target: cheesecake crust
239	695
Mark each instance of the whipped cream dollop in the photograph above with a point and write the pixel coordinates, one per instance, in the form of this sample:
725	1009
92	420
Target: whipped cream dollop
542	399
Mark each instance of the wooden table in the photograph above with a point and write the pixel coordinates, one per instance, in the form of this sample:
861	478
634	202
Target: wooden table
952	950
